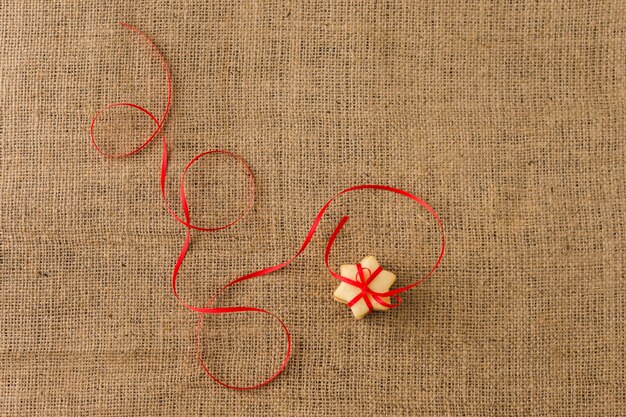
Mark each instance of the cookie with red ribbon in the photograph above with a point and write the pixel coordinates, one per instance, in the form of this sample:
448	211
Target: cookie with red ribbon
369	284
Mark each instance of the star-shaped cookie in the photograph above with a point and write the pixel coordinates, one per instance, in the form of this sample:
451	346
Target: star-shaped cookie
381	283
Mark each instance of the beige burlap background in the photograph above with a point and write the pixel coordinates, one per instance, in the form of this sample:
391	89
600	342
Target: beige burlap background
507	117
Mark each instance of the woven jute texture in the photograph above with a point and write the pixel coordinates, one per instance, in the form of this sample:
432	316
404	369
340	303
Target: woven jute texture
508	117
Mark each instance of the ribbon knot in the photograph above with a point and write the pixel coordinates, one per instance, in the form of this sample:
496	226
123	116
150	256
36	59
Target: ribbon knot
362	282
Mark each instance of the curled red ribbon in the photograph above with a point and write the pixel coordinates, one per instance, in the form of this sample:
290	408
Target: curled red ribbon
361	282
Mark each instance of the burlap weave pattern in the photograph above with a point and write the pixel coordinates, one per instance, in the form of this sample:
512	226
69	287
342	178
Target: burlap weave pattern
506	116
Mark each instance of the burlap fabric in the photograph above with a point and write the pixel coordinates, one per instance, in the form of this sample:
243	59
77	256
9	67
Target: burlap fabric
507	117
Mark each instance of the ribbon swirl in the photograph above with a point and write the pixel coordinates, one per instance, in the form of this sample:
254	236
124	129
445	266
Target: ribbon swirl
361	281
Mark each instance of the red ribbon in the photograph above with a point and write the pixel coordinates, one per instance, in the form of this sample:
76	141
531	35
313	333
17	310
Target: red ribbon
361	282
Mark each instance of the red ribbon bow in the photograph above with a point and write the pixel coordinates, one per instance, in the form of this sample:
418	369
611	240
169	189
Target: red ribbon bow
363	284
